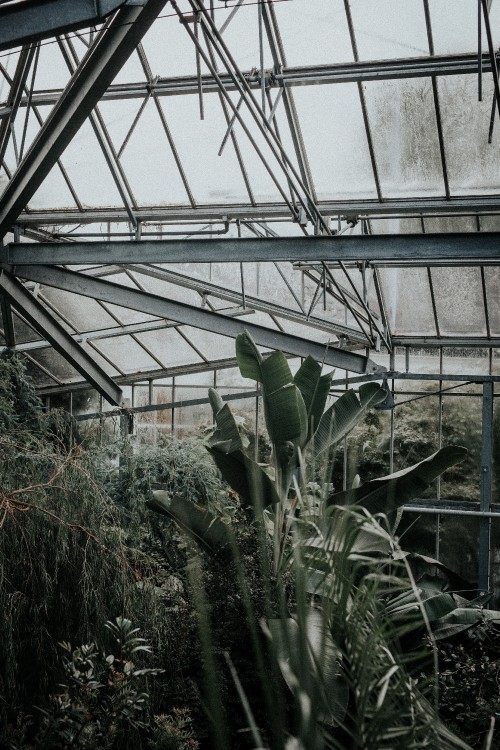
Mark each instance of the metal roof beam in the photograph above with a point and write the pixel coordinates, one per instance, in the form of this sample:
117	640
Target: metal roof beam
42	321
376	248
310	75
31	21
98	68
152	304
465	206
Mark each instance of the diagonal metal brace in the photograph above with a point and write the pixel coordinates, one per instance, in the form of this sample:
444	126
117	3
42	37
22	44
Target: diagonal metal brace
41	320
135	299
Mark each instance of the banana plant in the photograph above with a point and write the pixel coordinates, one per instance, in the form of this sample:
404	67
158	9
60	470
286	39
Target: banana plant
296	422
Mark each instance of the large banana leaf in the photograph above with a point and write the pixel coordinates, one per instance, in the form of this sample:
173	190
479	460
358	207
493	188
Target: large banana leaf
314	388
246	477
388	493
310	661
248	356
344	414
227	436
463	618
210	532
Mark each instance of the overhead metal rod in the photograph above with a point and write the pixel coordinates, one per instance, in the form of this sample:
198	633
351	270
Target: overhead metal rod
459	205
152	304
43	322
419	248
98	68
288	76
25	22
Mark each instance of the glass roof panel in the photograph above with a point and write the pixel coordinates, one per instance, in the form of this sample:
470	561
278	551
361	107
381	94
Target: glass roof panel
54	191
213	178
408	299
22	331
314	34
168	47
405	137
459	300
334	135
149	162
215	346
454	26
125	353
450	224
473	163
83	313
169	346
379	38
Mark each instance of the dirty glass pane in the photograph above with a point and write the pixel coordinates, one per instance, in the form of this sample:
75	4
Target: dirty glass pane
472	162
408	299
459	301
462	425
458	545
405	137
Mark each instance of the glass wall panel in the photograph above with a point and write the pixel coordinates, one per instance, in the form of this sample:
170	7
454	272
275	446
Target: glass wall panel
462	425
458	546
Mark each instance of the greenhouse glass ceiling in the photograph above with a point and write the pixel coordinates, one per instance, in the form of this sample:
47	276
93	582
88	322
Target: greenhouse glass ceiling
324	174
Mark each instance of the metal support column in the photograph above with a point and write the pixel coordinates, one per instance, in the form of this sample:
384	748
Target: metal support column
483	582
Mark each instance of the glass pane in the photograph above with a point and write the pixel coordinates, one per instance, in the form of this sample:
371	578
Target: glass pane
459	300
462	425
408	299
314	34
458	547
334	134
472	163
379	38
405	137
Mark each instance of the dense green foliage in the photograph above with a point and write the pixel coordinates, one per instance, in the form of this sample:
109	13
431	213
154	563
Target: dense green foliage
335	648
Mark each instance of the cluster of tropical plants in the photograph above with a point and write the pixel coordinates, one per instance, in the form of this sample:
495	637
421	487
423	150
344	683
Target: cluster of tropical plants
355	642
283	614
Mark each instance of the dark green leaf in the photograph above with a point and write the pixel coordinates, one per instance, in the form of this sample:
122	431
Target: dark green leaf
344	414
388	493
314	388
227	432
308	657
216	401
248	356
210	532
246	477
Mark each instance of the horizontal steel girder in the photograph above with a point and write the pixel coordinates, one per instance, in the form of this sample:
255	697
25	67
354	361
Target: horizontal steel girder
441	65
152	304
98	68
421	248
31	21
43	322
466	206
